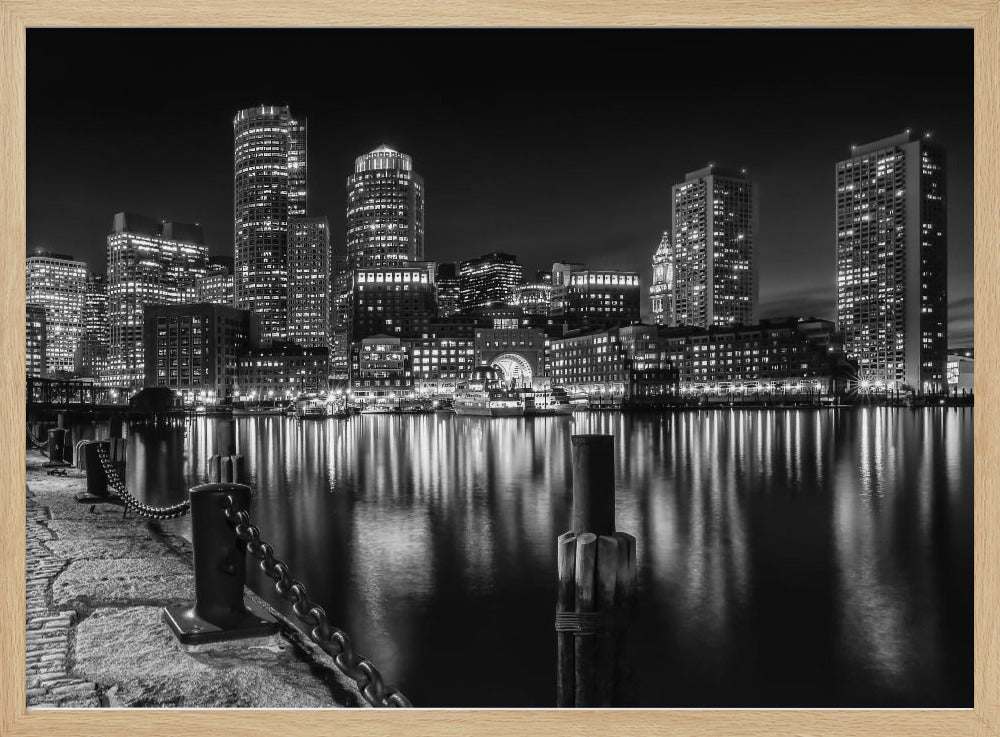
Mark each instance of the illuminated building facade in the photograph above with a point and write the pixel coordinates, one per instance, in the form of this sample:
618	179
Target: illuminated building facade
281	371
714	264
269	186
489	280
961	373
216	288
662	289
381	370
517	352
59	284
398	301
892	269
309	281
440	359
194	348
34	340
92	353
593	299
149	263
385	210
535	298
449	289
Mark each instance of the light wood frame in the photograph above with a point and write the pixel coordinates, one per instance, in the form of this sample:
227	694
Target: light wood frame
982	15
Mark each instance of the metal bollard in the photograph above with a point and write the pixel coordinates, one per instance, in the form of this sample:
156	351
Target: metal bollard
219	612
97	478
56	446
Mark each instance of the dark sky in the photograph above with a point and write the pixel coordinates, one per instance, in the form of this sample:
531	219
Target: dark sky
549	144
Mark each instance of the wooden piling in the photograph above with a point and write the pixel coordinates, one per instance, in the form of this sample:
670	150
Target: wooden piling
625	688
566	602
225	437
226	466
585	647
593	484
607	575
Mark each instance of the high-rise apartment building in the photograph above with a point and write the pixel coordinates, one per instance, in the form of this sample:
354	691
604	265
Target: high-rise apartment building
661	290
92	353
149	263
714	231
309	281
892	267
489	280
34	340
385	210
269	186
59	284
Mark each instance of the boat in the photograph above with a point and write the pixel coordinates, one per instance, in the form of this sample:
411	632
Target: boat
485	395
310	408
549	402
381	409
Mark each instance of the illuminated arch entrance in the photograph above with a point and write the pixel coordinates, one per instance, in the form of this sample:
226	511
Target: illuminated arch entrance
515	369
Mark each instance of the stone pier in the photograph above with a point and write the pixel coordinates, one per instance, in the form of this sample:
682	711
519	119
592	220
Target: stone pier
96	585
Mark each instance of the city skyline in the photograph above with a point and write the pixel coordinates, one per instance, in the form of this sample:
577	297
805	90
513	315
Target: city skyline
603	221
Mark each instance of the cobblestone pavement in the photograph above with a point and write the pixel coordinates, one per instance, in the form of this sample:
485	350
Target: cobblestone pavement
96	584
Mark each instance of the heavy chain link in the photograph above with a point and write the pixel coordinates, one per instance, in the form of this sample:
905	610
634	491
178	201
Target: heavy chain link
118	484
332	640
41	446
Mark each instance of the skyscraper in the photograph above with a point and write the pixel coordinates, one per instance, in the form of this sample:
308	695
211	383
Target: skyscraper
149	263
269	186
92	353
661	290
489	280
449	289
385	210
34	340
714	231
892	267
59	284
309	281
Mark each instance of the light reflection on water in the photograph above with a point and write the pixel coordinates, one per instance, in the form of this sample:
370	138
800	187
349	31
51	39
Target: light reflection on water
787	558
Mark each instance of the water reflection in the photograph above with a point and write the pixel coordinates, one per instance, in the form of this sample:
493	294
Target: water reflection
802	558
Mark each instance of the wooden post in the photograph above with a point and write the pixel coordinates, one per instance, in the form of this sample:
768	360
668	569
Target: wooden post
225	437
566	602
593	484
596	590
226	467
585	647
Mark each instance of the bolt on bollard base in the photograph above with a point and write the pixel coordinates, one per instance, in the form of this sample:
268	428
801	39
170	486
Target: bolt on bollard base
219	612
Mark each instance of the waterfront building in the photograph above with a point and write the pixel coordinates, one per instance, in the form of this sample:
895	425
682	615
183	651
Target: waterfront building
309	281
396	300
780	357
34	340
961	373
150	262
518	353
449	289
661	291
59	284
269	186
892	266
489	280
535	298
381	371
91	358
385	210
614	366
281	371
714	248
593	299
441	358
194	349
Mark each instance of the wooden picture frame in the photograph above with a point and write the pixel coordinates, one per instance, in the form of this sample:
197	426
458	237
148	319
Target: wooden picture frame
981	15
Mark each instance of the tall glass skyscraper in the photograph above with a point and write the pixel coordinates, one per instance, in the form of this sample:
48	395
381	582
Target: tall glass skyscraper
714	228
269	185
385	210
892	261
59	284
309	281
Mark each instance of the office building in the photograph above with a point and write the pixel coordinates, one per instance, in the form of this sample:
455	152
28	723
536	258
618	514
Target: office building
381	371
440	359
593	299
281	371
892	267
661	291
91	358
269	186
34	340
518	353
489	280
385	210
150	262
398	301
194	349
309	281
714	231
535	298
59	284
449	290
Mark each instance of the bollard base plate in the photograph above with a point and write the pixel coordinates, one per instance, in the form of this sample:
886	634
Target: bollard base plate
190	629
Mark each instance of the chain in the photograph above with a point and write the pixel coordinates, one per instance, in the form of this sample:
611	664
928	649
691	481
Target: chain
43	447
118	484
332	640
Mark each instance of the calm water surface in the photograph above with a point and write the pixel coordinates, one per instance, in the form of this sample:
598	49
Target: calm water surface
786	558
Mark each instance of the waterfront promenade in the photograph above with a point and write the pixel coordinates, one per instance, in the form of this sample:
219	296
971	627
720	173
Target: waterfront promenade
96	585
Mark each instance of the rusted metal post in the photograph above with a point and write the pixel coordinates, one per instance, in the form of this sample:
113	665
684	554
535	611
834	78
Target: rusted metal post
219	611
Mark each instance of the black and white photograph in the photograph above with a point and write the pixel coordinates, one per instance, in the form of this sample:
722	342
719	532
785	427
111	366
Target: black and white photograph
499	368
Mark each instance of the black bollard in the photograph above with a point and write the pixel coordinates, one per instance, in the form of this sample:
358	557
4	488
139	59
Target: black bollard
56	446
97	478
219	612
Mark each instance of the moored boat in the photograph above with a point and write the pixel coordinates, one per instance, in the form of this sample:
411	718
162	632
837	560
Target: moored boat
484	395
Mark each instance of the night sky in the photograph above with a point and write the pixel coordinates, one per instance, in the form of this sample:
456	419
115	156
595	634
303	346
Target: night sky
549	144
